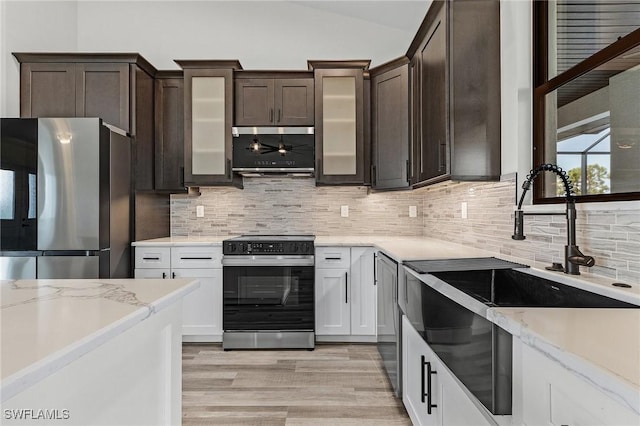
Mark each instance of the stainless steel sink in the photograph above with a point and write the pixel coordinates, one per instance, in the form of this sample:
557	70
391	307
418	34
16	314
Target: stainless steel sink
514	288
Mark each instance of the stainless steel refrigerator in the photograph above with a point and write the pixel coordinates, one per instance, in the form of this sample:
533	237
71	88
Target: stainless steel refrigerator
65	199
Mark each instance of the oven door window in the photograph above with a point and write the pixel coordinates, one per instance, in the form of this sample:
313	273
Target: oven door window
268	298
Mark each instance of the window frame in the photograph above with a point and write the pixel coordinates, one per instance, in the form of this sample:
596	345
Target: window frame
542	85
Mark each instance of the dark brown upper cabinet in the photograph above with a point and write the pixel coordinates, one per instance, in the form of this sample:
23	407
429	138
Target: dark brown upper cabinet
340	121
208	112
390	125
455	93
282	101
117	87
169	131
429	89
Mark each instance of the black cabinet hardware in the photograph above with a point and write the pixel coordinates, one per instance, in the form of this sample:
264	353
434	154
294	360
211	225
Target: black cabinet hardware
332	258
346	287
429	390
408	171
150	258
375	268
196	258
173	275
164	275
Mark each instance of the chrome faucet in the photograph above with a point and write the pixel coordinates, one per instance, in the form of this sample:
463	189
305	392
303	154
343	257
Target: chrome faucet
573	257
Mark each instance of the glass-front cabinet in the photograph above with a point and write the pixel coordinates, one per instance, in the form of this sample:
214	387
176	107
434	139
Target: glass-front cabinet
340	117
208	115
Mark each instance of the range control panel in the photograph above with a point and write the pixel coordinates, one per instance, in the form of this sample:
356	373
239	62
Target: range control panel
232	247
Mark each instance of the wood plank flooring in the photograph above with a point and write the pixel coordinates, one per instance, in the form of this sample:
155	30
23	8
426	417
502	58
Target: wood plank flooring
335	384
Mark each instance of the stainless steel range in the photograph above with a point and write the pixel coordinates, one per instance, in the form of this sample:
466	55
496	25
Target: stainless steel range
268	283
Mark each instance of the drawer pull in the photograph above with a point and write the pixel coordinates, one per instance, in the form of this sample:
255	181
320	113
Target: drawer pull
150	258
429	391
196	258
332	258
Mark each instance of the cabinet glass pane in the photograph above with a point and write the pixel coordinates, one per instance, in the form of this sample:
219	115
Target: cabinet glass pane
7	194
208	126
339	125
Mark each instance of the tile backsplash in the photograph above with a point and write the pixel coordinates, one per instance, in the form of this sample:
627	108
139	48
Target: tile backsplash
287	205
612	237
273	205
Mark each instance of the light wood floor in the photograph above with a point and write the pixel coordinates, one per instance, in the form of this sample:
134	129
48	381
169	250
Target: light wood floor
336	384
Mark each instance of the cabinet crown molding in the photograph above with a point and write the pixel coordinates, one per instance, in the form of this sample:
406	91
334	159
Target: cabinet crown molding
209	63
351	63
86	57
389	65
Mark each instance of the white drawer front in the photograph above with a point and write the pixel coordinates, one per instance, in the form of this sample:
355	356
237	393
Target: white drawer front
196	257
333	257
153	257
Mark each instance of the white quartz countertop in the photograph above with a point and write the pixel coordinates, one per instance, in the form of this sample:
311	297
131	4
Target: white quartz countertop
399	248
182	241
47	324
601	345
406	248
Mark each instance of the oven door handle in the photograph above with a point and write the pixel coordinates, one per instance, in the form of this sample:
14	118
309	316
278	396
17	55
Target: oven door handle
268	260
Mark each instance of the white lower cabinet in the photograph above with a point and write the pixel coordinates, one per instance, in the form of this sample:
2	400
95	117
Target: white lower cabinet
421	391
553	395
430	393
202	309
333	310
345	293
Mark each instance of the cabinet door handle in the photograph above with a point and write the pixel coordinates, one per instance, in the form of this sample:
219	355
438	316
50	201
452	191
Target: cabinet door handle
429	390
182	177
164	275
442	153
374	176
346	287
375	268
408	173
271	115
279	114
173	275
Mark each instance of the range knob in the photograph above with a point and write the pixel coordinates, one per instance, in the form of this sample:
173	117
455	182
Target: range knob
294	247
232	247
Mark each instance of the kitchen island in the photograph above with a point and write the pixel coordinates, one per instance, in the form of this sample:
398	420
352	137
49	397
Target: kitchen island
92	351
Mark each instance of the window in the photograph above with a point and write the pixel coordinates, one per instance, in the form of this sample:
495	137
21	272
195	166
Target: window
587	97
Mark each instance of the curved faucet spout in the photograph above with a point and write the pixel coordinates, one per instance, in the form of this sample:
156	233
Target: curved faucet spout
533	174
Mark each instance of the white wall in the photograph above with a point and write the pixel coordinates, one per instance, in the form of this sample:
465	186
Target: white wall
31	26
516	90
261	34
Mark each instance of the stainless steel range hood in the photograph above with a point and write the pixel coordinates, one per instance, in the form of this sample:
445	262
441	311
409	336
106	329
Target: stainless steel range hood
268	151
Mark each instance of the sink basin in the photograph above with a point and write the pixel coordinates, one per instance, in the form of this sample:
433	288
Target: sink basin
513	288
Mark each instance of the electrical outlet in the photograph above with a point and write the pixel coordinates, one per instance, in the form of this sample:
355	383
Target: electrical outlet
344	211
413	211
199	211
463	209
